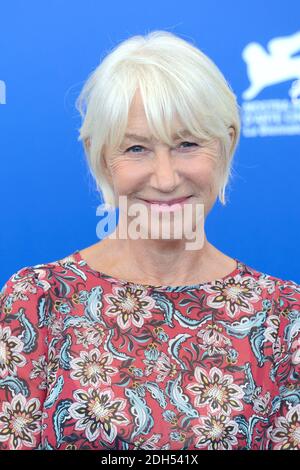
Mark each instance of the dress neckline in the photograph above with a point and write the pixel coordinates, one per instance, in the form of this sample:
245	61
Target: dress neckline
76	256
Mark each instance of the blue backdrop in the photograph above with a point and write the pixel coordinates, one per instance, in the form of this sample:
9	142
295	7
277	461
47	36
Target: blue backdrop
48	48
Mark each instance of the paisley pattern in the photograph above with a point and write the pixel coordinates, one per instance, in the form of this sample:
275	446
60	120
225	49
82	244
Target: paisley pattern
88	361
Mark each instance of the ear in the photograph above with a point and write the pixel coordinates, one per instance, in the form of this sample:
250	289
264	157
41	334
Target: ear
232	133
87	143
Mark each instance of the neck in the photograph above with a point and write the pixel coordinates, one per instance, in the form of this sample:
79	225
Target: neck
163	262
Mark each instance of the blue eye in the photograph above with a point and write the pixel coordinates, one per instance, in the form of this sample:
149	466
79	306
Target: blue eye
140	146
134	146
191	143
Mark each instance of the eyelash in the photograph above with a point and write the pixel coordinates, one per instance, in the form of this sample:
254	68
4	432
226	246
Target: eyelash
183	142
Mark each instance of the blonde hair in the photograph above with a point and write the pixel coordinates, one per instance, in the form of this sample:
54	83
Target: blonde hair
174	77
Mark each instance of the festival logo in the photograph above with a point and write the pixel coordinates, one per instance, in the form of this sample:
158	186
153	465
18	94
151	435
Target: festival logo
266	68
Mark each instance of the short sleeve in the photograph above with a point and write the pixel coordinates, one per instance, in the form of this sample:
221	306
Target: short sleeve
23	360
285	432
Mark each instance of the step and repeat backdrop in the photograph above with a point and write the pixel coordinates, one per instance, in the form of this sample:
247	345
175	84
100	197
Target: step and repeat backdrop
48	198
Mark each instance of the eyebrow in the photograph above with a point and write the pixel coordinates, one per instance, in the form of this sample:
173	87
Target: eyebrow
141	138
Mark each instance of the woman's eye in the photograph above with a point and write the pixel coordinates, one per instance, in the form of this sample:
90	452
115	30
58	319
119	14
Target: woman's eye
190	143
133	147
141	147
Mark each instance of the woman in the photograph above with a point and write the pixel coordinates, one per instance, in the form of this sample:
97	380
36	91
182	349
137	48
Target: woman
140	342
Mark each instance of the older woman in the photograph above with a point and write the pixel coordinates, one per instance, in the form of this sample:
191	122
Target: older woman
139	342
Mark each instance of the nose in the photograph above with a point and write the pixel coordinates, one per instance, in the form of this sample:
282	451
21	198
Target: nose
164	175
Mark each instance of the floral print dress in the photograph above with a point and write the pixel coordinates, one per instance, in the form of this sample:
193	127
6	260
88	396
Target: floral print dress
88	361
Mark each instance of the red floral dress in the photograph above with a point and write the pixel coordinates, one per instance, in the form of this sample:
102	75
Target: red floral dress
88	361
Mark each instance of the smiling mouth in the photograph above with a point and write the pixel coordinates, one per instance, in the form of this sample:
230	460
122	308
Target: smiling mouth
168	203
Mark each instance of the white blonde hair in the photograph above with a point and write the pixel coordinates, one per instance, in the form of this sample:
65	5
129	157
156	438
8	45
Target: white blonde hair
174	77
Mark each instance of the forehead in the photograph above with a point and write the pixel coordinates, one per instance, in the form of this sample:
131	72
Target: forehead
137	123
145	137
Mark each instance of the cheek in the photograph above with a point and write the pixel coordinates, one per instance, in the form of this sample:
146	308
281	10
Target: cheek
204	174
127	175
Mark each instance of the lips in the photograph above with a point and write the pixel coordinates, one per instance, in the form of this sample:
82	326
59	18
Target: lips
168	203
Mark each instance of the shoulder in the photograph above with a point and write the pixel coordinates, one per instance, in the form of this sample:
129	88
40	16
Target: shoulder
285	294
23	294
283	297
281	288
287	308
286	347
31	285
282	330
288	291
30	279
